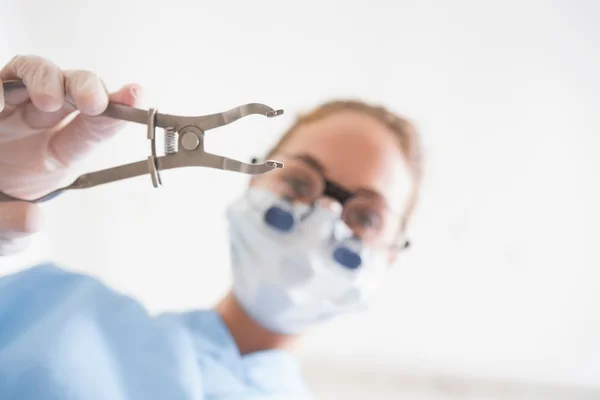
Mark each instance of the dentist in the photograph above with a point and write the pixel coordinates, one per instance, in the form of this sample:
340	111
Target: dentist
309	242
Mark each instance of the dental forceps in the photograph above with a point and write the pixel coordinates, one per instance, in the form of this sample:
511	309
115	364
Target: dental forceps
183	145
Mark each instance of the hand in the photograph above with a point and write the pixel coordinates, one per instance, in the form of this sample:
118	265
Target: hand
42	137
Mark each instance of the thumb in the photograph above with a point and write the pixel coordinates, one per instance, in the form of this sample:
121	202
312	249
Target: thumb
80	137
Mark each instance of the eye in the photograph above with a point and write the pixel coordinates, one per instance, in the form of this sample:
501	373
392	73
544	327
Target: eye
363	219
301	187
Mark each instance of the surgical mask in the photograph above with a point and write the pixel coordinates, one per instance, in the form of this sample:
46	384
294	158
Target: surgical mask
295	265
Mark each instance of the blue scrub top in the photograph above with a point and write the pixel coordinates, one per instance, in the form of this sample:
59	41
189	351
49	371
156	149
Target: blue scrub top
68	336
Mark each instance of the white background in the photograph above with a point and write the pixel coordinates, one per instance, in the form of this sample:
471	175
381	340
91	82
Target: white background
503	279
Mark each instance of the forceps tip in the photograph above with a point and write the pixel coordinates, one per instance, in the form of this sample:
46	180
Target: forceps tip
274	164
274	113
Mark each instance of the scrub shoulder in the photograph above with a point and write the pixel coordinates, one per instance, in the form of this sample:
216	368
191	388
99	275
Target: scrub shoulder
66	335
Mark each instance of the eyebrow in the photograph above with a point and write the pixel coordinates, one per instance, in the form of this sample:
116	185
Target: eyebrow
312	162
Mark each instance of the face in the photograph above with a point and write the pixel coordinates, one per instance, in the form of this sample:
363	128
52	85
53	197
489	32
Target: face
294	263
357	153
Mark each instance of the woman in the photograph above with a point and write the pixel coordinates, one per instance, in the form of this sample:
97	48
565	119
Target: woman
309	242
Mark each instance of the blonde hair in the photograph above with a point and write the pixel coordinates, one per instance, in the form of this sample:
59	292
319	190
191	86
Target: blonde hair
405	132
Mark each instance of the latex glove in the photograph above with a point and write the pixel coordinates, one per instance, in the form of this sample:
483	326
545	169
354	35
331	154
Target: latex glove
42	137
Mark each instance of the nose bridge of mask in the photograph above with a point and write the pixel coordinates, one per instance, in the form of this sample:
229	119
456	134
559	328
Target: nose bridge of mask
346	249
341	245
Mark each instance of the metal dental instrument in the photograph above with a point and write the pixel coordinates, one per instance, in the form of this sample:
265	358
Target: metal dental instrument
183	145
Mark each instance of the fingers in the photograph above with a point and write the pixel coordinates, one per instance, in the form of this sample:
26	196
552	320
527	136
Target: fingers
87	91
43	79
18	221
79	138
47	86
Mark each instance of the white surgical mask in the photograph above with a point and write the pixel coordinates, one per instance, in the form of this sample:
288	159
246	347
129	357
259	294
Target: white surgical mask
291	272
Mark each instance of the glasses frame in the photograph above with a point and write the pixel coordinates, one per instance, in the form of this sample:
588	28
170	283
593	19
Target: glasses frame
340	194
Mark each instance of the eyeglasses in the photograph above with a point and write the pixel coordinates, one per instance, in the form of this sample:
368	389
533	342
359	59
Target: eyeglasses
366	213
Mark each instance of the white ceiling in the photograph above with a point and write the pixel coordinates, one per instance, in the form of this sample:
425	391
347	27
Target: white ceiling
504	277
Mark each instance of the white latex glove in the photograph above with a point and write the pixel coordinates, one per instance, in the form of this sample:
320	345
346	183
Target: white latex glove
42	137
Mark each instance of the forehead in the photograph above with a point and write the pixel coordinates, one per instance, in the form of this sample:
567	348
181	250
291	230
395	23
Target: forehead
356	151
